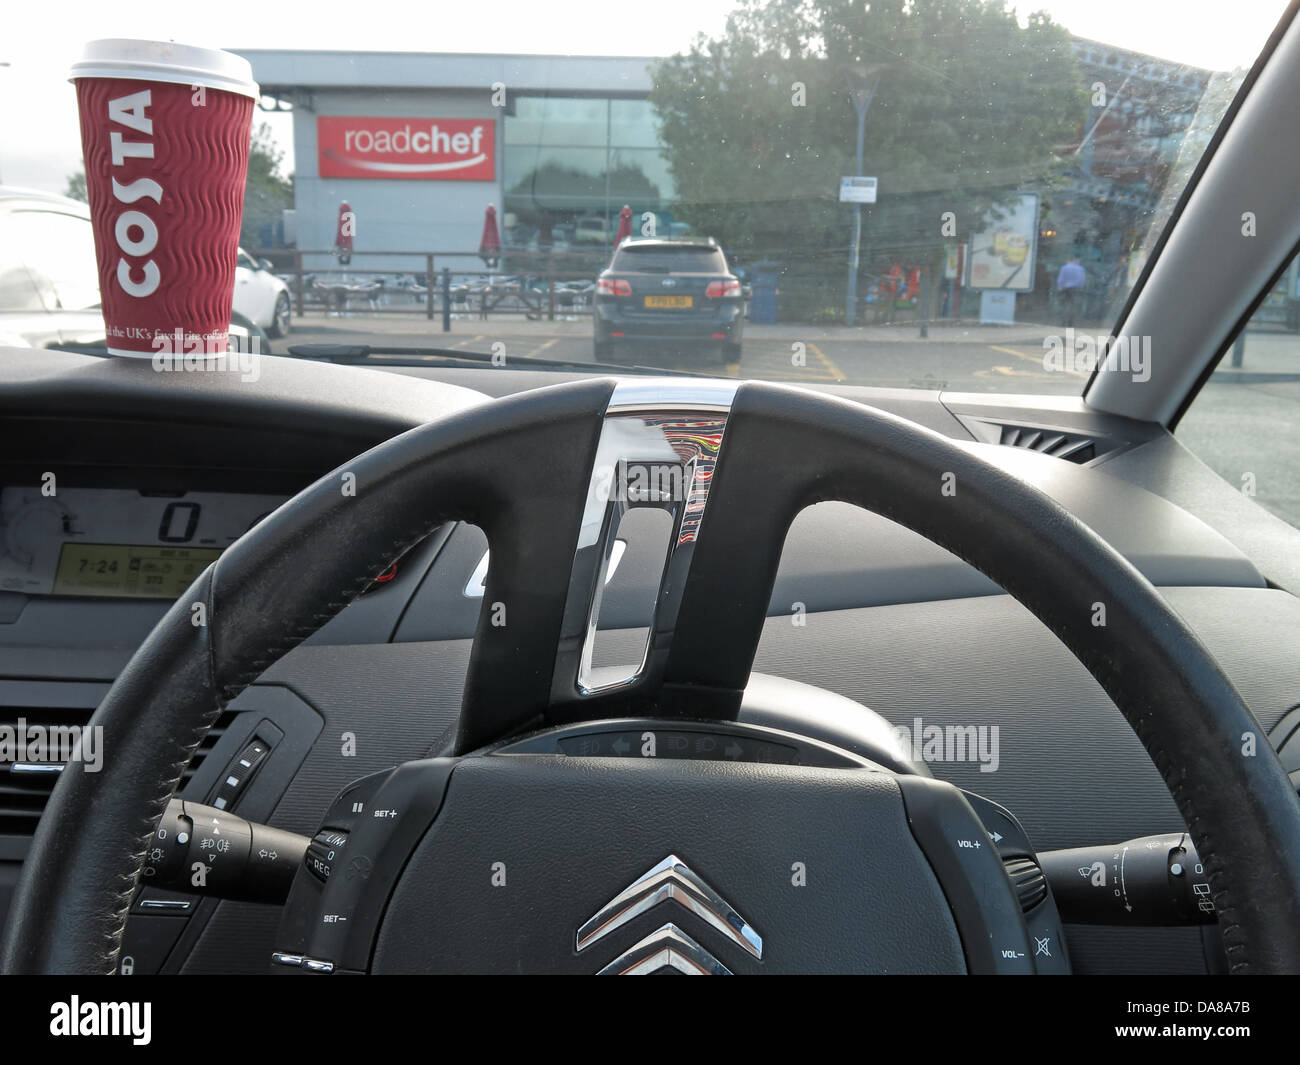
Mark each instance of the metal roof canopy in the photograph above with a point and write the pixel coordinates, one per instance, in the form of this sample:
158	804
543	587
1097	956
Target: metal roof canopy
606	75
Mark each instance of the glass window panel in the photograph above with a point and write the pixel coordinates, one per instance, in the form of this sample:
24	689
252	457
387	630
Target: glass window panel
633	124
558	120
547	178
640	174
1242	423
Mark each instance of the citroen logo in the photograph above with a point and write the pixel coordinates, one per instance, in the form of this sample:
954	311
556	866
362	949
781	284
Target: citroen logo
669	881
671	948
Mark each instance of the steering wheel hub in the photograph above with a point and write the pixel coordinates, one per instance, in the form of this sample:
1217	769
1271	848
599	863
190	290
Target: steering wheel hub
530	858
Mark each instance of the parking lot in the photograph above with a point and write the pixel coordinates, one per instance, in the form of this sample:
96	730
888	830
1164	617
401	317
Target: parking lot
1222	427
961	358
956	357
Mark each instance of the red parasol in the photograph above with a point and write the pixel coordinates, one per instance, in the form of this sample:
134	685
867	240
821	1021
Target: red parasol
624	225
344	232
489	248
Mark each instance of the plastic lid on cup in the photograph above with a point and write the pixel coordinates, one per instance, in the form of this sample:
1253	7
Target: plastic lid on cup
166	61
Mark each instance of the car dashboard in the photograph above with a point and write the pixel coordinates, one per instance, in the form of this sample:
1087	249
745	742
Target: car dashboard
118	485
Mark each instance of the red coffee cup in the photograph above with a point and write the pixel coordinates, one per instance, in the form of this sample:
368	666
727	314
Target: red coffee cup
165	133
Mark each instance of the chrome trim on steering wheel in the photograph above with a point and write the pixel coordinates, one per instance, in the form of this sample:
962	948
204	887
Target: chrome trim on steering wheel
666	394
669	430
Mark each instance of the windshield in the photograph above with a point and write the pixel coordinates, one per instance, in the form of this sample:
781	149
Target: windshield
913	193
667	259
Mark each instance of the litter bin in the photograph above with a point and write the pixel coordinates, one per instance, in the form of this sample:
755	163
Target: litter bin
763	302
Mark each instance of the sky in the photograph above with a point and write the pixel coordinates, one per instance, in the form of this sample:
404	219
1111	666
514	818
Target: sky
39	140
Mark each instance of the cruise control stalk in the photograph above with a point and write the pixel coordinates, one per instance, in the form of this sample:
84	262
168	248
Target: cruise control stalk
206	851
1152	881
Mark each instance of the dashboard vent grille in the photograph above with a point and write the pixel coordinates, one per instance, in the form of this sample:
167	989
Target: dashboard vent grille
209	741
24	793
1073	447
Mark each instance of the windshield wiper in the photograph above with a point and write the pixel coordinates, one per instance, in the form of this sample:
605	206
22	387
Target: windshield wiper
354	353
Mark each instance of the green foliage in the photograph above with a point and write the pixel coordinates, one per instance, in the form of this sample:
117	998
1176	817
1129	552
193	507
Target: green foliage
760	125
266	193
76	186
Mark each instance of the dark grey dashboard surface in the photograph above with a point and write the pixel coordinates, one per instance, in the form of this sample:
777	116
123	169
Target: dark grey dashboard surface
892	621
836	556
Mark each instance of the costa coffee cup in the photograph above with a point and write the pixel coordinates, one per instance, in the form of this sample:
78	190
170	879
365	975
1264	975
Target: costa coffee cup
165	132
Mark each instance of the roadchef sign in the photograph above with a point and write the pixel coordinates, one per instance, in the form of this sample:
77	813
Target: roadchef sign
424	149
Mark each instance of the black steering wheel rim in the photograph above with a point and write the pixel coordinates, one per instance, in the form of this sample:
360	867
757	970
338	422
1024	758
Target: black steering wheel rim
519	468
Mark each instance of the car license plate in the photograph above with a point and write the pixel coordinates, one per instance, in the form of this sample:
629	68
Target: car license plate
668	301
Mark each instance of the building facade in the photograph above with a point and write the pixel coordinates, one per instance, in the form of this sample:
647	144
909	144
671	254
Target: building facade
420	145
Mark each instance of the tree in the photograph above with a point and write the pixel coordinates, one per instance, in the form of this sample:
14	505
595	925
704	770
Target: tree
76	186
759	125
266	192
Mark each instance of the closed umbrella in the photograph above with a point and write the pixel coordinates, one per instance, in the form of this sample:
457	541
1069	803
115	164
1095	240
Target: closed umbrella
489	248
624	225
343	233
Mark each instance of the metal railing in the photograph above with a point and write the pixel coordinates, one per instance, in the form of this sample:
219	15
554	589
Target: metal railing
538	286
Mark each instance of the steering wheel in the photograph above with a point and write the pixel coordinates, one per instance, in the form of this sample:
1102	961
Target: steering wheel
756	454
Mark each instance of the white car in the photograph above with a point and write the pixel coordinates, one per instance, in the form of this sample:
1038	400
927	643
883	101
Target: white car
49	283
260	296
591	229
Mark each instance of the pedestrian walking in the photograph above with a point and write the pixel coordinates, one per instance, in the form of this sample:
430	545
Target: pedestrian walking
1069	287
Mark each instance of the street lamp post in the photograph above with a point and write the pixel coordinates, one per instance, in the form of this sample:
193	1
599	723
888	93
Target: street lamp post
863	80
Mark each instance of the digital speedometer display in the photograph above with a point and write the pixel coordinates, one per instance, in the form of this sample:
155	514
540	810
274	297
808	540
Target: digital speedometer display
129	570
60	539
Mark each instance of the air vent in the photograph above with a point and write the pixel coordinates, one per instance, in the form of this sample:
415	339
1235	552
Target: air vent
209	741
1285	737
23	793
1073	447
25	790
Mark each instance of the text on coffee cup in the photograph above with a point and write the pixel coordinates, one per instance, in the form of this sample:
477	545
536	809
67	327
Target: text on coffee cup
130	111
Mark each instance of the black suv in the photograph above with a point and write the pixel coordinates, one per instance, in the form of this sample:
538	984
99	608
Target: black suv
672	293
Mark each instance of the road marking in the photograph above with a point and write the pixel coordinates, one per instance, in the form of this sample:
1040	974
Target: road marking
835	371
1036	359
469	340
538	350
1017	354
1011	371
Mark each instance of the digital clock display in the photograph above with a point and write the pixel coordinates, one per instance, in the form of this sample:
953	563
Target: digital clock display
129	570
74	540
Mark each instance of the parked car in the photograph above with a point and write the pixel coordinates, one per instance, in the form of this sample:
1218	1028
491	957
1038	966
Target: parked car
591	229
673	292
260	296
49	280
